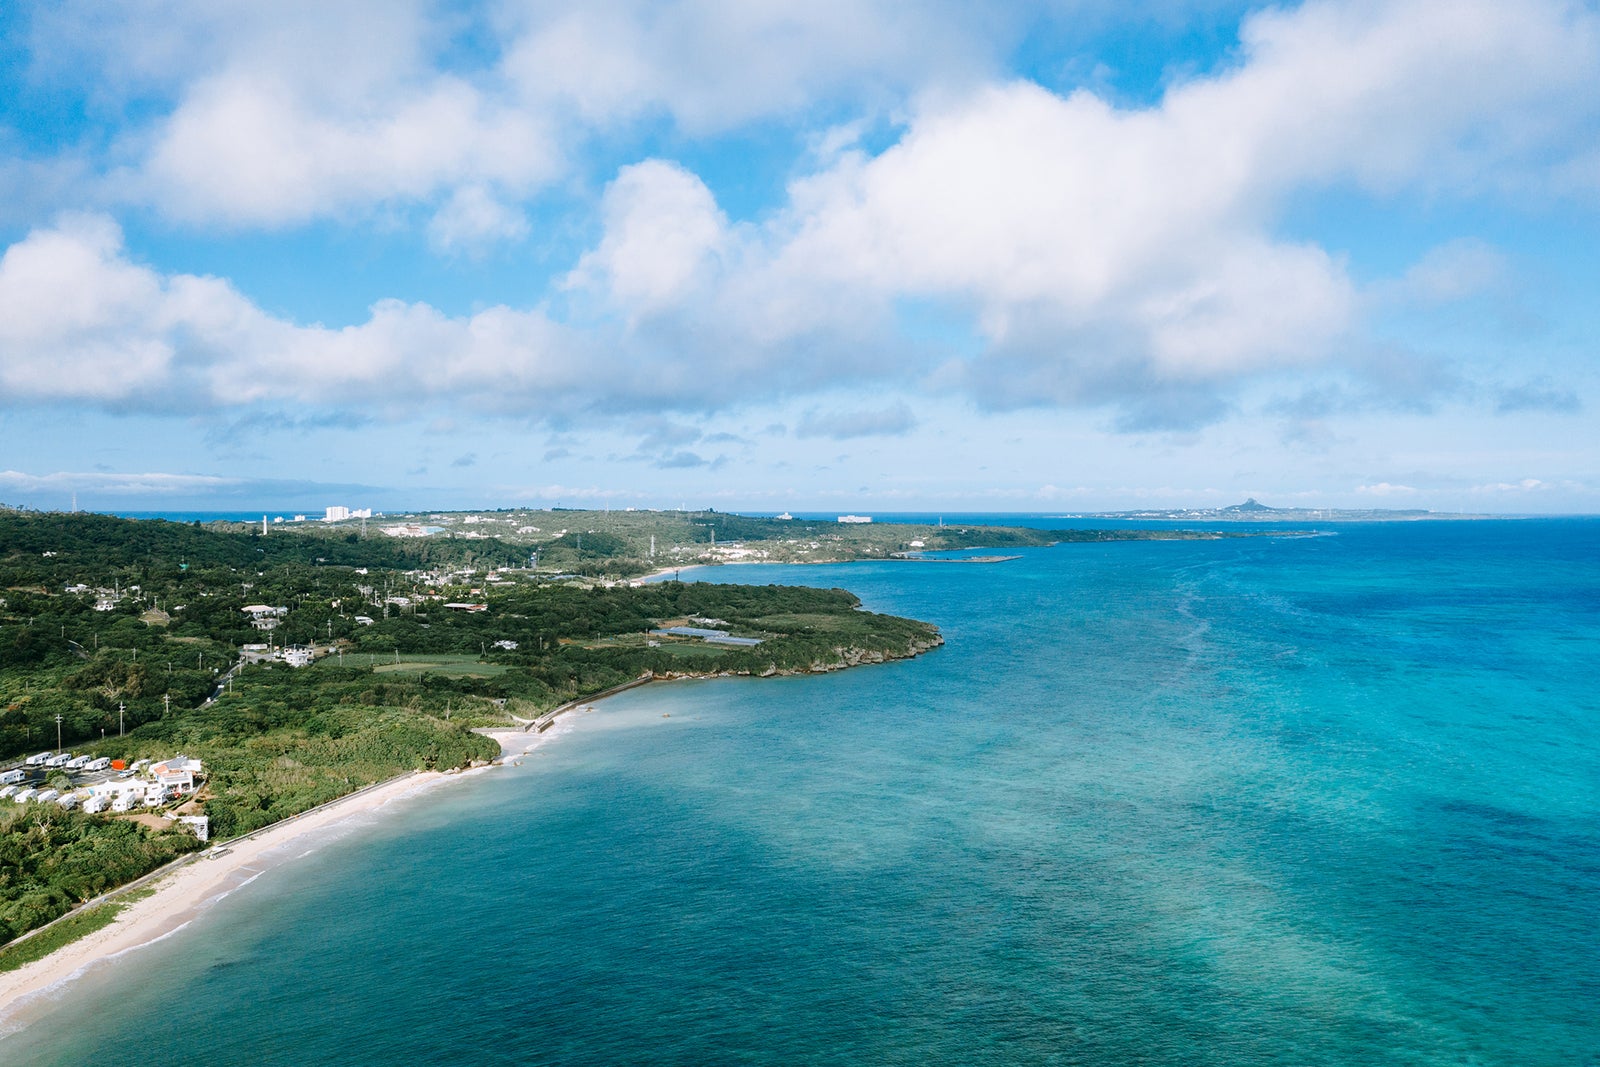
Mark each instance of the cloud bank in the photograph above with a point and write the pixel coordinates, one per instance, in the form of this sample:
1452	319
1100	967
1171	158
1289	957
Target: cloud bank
1090	253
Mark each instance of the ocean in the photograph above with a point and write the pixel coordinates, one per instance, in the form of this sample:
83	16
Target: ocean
1278	800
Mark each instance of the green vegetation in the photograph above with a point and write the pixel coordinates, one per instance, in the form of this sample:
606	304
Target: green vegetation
37	947
129	638
619	543
52	860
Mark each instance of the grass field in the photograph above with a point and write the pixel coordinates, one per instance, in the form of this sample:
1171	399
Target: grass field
452	666
812	621
64	932
692	648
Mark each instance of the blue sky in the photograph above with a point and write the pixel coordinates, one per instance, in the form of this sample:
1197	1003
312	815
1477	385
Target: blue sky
1031	256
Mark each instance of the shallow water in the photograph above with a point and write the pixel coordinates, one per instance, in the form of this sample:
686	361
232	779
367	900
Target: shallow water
1276	801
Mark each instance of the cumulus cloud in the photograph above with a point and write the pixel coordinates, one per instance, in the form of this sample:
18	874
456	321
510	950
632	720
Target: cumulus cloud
663	236
711	66
1098	254
1124	256
474	218
272	116
243	149
80	321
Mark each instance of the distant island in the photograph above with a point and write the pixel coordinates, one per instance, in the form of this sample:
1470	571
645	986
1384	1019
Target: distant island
1254	511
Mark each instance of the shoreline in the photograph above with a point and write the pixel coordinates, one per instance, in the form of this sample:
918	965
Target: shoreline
191	885
188	891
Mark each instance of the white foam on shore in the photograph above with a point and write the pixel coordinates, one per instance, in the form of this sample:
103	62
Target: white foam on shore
189	891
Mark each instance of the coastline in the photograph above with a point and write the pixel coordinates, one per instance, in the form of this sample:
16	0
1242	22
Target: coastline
186	892
190	886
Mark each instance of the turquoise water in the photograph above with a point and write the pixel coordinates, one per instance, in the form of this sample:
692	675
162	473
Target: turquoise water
1329	800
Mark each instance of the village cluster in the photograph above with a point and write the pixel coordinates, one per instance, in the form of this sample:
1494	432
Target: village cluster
95	784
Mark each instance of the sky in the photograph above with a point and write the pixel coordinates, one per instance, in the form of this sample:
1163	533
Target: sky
1029	256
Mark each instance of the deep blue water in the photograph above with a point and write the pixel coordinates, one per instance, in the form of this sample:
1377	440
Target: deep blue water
1327	800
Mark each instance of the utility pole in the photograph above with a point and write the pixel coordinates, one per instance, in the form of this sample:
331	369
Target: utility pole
166	704
121	707
58	735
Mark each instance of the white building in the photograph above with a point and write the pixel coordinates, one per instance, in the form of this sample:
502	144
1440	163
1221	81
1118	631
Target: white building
124	793
177	774
298	657
336	514
263	617
848	519
200	824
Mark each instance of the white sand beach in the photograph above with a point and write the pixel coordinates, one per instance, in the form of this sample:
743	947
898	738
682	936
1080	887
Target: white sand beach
189	889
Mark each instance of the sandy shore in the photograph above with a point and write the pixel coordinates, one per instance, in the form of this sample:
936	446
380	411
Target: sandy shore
186	892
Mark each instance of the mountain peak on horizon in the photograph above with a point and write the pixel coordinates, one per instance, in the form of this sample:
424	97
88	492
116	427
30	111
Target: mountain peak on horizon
1250	504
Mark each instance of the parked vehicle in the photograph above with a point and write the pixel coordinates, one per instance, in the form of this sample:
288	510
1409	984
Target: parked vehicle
98	764
24	796
44	796
7	791
68	800
39	758
94	805
78	762
12	777
58	761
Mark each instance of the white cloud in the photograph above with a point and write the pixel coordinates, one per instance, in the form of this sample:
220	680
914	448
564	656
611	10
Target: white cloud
77	320
843	425
663	235
266	116
473	218
246	149
1101	254
711	66
80	322
1127	255
1527	485
132	484
1453	271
